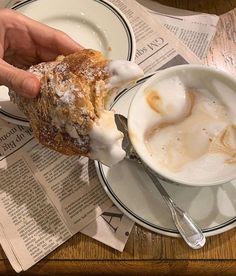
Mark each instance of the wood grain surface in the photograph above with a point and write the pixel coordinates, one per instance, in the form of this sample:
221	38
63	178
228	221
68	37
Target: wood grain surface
218	7
147	253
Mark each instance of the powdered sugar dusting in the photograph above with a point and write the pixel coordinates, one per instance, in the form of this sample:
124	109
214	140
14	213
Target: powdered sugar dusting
68	97
40	69
100	87
61	67
65	91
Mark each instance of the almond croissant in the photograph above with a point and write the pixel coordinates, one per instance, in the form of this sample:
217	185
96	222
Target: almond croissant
69	113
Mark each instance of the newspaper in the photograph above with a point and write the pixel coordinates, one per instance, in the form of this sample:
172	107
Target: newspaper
111	228
46	197
195	30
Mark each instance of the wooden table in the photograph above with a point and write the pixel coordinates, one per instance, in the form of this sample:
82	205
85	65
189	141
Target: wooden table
147	253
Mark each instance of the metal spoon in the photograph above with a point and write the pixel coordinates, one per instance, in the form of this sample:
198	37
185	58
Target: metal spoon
188	229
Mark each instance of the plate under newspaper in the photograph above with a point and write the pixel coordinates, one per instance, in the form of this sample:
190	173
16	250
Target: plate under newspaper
110	33
127	185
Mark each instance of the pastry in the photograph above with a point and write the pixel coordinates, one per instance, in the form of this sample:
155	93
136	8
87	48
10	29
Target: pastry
69	114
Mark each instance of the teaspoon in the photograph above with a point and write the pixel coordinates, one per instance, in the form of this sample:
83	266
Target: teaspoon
188	229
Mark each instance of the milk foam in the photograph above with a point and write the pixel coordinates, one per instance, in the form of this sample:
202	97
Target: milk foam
182	125
122	73
106	140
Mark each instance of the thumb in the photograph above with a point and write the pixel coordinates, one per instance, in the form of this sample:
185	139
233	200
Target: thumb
18	80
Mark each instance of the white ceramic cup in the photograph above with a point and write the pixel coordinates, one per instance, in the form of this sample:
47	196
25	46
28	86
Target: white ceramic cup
141	116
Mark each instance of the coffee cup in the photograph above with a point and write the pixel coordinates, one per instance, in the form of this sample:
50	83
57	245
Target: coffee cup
182	124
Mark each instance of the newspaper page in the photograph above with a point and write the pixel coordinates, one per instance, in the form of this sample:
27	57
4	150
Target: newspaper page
45	197
156	48
195	30
111	228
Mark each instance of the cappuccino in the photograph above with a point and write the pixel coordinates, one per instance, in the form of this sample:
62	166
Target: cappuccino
189	131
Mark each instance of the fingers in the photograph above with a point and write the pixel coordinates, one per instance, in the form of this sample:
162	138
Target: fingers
46	54
63	43
44	42
22	82
54	40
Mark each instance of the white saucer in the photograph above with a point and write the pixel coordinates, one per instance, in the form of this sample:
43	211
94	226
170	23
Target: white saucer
95	24
213	208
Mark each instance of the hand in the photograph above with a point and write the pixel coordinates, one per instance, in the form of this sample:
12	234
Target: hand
24	42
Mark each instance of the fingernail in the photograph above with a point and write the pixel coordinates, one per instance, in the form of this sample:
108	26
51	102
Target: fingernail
30	87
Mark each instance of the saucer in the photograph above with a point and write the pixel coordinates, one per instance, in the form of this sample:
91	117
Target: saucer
95	24
131	190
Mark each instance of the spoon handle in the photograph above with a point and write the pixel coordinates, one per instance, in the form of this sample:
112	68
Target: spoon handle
188	229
